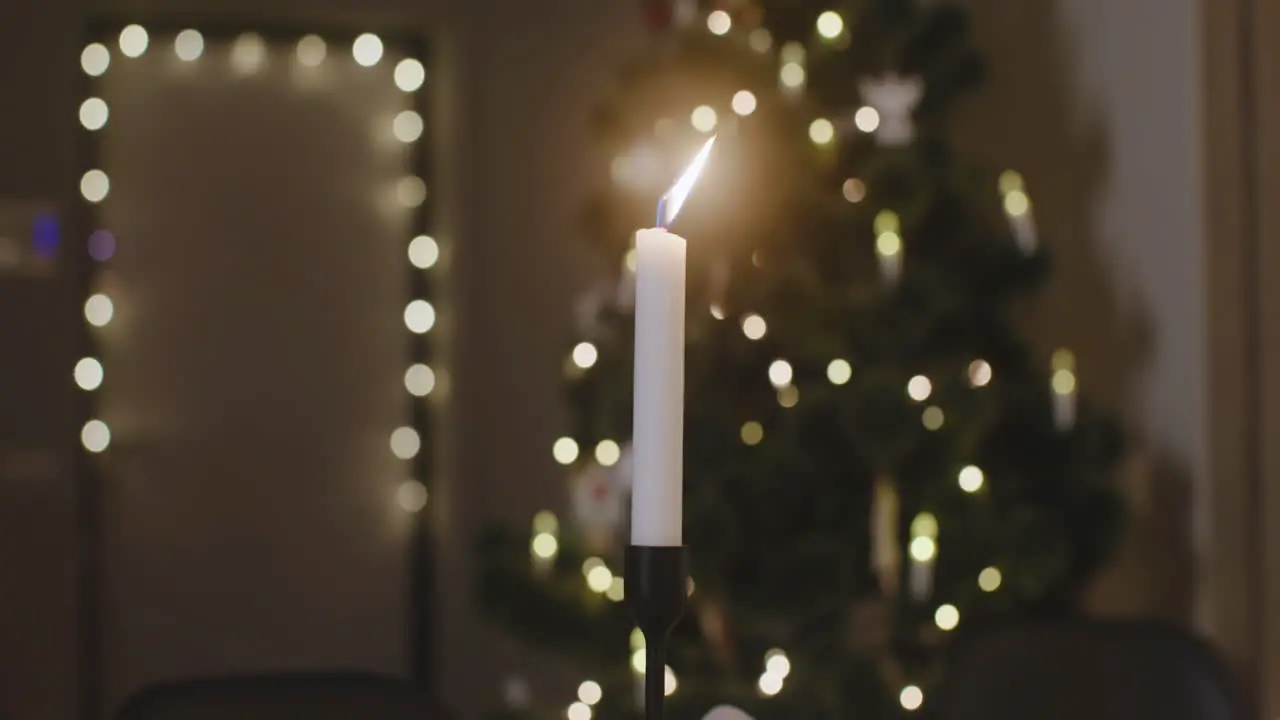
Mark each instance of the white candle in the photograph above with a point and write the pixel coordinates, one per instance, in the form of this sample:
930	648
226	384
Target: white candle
658	421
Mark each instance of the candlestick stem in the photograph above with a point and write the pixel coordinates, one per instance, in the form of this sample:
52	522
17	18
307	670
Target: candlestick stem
656	581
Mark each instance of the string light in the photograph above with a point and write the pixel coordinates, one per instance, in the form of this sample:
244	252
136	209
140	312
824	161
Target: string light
1017	203
578	711
411	191
932	417
854	190
565	450
911	698
760	40
780	373
946	617
979	373
752	433
407	126
703	118
419	316
585	355
669	683
608	453
754	326
989	579
94	114
788	396
590	692
719	22
744	102
248	53
544	545
95	436
839	371
412	496
133	41
821	131
367	50
970	478
599	579
88	374
792	75
545	521
830	25
769	684
919	388
188	45
419	380
866	119
616	590
409	75
423	252
94	186
405	442
95	59
777	663
311	51
98	310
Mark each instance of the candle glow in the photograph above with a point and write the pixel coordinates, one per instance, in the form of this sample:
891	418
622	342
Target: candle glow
671	203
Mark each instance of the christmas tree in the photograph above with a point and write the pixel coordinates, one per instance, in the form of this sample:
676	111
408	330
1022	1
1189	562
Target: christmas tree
875	457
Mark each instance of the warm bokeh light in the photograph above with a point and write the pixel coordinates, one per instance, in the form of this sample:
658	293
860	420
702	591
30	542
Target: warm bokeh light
1064	382
545	521
419	380
821	131
411	191
616	591
744	102
423	252
94	113
716	311
585	355
830	24
599	579
911	698
719	22
637	661
578	711
946	617
754	326
777	663
922	548
760	40
703	118
669	683
1017	203
788	396
248	53
780	373
608	453
409	75
769	684
407	126
565	450
919	388
1063	359
989	579
101	245
932	417
887	221
88	373
590	692
888	244
405	442
792	74
752	433
979	373
419	317
188	45
311	51
94	186
95	59
98	310
134	41
95	436
1010	180
411	496
867	119
970	478
854	190
544	545
367	50
839	371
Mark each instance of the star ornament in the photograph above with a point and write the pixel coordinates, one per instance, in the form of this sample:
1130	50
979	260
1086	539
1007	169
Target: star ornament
894	100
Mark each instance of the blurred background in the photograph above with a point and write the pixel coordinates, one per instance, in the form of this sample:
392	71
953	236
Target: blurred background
261	512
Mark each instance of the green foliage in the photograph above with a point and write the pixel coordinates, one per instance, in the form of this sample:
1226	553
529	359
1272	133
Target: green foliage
780	530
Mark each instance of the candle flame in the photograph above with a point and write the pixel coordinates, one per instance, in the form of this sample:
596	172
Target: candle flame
670	204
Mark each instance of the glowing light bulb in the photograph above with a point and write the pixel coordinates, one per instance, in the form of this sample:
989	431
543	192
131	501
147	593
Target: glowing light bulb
970	478
669	683
616	593
1064	382
405	442
780	373
546	522
744	102
1017	203
788	396
839	371
423	252
367	50
565	450
585	355
409	75
919	388
888	244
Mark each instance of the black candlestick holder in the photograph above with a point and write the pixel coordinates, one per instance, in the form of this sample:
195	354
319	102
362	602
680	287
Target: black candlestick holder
656	582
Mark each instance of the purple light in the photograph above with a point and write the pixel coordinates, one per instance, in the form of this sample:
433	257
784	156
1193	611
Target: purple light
44	235
102	245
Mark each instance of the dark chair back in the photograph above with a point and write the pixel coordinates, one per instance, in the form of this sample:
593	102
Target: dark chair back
1085	670
300	696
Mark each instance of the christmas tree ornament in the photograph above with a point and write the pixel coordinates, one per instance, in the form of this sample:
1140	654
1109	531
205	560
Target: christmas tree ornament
886	557
598	501
894	100
1017	207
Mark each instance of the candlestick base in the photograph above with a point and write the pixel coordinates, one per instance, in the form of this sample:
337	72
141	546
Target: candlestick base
656	582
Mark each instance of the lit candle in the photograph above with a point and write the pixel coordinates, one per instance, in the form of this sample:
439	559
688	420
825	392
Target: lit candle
658	421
